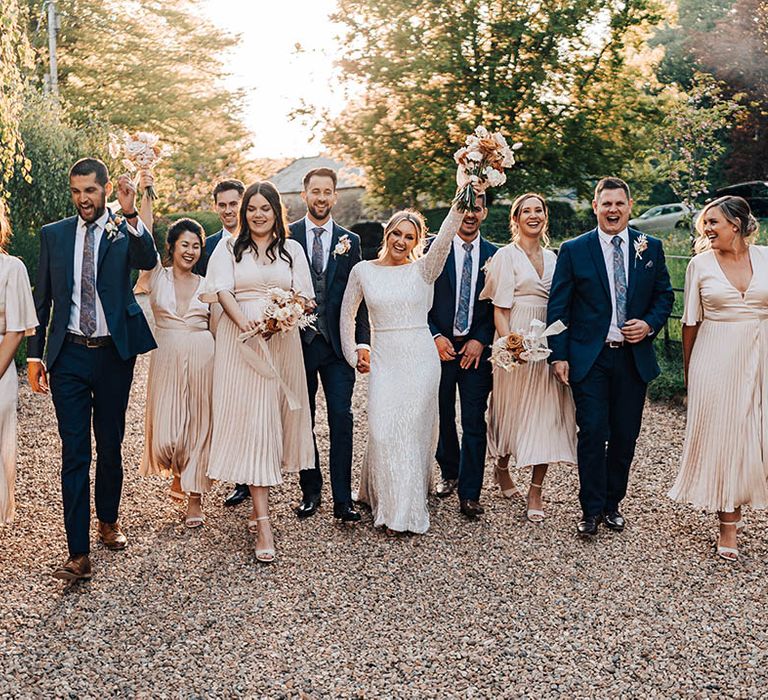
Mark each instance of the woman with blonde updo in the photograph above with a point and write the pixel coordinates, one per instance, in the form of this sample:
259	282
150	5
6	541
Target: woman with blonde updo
725	356
404	368
531	421
17	319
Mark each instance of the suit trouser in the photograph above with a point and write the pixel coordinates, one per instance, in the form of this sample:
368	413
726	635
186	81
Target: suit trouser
609	411
338	380
466	462
90	383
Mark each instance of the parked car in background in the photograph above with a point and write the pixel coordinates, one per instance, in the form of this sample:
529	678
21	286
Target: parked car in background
755	192
662	218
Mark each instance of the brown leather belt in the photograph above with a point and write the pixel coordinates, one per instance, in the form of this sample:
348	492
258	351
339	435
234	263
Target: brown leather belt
102	341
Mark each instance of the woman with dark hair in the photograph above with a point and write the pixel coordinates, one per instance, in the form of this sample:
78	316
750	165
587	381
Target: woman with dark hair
532	419
261	419
725	357
178	415
17	319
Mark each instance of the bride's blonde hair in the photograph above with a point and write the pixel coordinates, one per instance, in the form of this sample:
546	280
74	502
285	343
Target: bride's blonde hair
514	217
419	223
737	212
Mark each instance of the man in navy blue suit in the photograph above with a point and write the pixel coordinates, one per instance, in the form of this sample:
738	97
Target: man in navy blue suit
96	331
611	289
463	328
332	252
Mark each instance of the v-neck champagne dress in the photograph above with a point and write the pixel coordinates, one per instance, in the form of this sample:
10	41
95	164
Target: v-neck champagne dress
725	455
177	433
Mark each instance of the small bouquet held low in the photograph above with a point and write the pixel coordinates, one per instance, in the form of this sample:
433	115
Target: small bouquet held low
482	159
285	311
141	150
520	347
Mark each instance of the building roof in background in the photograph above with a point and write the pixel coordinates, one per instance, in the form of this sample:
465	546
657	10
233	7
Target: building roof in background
289	179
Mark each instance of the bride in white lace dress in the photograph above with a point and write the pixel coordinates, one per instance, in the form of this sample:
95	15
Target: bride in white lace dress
404	368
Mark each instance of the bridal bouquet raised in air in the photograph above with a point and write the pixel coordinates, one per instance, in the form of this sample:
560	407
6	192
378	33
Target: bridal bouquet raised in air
140	150
520	347
285	311
482	159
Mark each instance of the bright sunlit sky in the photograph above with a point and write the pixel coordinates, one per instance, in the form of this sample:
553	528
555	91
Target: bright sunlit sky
275	78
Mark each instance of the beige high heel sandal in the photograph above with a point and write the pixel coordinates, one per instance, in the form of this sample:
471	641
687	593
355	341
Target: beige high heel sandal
263	556
507	493
729	553
534	515
195	521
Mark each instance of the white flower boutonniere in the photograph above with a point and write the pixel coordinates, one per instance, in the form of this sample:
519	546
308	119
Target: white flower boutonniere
112	228
641	244
343	246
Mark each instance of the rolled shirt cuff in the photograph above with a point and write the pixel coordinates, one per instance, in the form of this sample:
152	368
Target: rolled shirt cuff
363	346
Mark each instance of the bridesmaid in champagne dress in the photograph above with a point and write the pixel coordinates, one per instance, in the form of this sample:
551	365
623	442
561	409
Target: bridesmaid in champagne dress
404	368
724	464
532	418
178	413
17	319
261	421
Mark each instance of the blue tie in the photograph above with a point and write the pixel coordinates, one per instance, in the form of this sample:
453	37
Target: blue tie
318	259
465	290
619	282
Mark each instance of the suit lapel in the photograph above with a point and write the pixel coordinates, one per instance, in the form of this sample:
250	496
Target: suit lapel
632	265
105	243
485	252
596	251
330	270
299	234
68	250
450	269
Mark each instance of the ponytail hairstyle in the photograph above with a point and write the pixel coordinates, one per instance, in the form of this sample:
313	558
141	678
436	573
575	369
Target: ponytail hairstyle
180	226
737	212
244	242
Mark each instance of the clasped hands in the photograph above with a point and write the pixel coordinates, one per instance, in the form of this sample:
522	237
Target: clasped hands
471	352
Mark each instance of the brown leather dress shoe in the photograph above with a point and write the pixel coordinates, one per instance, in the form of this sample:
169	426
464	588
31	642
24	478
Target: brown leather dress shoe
77	568
112	536
471	509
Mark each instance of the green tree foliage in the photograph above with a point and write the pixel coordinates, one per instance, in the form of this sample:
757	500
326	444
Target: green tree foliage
15	57
156	66
552	74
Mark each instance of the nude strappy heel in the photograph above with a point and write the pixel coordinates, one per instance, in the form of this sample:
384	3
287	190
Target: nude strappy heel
533	514
263	556
729	553
510	492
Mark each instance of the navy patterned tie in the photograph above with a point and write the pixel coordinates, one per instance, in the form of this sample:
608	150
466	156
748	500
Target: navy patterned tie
88	284
619	282
465	290
317	251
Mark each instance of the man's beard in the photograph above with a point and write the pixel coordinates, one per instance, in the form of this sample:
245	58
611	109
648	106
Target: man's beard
97	212
314	211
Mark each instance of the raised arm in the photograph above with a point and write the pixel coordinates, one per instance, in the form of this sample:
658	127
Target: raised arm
353	297
432	264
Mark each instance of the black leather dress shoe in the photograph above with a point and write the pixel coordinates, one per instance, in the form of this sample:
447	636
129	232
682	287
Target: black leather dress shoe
471	509
308	506
238	495
587	526
614	520
446	487
345	512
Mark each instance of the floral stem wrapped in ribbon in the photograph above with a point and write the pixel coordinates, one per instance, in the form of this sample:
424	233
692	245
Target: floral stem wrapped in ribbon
520	347
482	159
285	311
140	150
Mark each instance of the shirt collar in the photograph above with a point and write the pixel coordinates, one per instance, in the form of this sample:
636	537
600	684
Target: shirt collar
227	234
606	239
459	242
101	222
328	225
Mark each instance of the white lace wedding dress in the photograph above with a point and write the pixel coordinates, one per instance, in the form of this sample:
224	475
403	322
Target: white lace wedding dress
403	383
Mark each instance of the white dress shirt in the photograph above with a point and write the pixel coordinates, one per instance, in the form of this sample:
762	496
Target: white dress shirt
614	334
458	259
325	238
226	234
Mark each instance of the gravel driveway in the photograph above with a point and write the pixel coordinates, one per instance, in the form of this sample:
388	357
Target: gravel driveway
496	608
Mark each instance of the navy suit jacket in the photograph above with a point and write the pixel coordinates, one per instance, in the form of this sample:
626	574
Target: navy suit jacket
55	279
580	297
442	314
337	274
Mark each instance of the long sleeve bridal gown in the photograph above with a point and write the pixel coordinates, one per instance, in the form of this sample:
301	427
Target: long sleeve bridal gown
403	383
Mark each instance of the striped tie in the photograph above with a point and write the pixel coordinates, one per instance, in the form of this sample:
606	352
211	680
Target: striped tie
88	284
619	282
465	290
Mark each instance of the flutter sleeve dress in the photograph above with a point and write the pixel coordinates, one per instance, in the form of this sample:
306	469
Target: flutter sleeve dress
531	415
724	463
177	433
17	314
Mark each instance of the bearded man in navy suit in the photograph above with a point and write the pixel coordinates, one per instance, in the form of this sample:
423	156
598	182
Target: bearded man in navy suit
84	288
611	289
463	329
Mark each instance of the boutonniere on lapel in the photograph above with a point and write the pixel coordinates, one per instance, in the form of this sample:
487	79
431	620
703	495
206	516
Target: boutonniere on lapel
641	244
112	228
343	246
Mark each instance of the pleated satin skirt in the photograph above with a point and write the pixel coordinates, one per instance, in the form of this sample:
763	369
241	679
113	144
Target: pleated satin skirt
725	455
257	434
531	416
9	386
178	417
